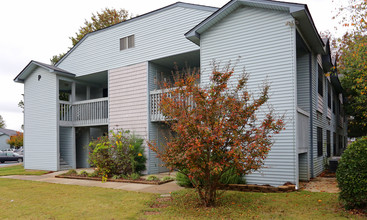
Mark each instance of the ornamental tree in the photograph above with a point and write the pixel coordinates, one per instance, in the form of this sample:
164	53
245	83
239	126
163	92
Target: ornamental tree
16	140
352	63
214	129
107	17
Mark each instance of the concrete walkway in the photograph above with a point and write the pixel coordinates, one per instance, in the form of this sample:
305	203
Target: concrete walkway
147	188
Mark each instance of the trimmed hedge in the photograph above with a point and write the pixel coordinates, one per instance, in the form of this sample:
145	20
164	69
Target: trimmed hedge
352	175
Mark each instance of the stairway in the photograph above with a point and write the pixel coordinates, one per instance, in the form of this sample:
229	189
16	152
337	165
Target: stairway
64	165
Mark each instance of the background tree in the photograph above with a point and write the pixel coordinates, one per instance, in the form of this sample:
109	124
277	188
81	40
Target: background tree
100	20
16	140
216	129
2	122
352	64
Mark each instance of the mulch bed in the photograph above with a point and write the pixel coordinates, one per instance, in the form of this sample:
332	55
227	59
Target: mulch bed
287	187
140	181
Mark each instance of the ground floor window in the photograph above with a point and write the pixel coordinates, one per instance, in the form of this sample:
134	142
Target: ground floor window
319	141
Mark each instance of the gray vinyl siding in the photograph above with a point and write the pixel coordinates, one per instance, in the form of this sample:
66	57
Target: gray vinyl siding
82	140
40	121
154	72
267	49
304	172
303	85
156	36
3	144
67	151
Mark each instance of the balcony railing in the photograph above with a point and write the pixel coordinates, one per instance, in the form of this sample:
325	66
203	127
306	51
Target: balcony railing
155	99
84	113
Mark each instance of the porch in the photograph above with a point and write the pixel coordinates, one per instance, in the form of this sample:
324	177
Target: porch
84	113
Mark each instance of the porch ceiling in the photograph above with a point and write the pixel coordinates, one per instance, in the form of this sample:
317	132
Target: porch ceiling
189	59
99	78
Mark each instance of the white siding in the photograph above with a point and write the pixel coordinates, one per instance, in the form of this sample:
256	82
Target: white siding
267	49
156	36
40	121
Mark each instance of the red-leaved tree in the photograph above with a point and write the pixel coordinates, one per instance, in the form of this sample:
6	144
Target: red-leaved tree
16	140
214	128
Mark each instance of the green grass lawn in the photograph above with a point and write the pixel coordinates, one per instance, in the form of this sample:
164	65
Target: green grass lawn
244	205
19	170
20	199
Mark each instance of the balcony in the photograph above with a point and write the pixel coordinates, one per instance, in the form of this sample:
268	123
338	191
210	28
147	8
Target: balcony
156	114
92	112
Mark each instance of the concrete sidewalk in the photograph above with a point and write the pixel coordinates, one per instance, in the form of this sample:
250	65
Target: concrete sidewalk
50	178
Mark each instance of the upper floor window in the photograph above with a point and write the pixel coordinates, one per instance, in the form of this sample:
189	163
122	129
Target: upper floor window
320	85
329	95
127	42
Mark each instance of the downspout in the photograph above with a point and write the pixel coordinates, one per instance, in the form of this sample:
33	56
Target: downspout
311	115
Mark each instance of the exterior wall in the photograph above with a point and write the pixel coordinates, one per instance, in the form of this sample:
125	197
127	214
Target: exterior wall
67	151
128	99
3	144
303	82
267	49
154	71
157	35
128	95
40	121
321	120
82	141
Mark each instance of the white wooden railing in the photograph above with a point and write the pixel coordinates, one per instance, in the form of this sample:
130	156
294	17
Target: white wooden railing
155	111
84	113
155	99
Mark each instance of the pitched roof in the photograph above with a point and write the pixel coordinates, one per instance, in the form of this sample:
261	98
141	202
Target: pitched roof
7	132
177	4
32	65
299	11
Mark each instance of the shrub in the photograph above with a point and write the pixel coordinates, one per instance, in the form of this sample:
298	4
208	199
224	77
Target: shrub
352	175
182	179
166	178
121	153
94	174
71	172
134	176
83	173
229	177
153	178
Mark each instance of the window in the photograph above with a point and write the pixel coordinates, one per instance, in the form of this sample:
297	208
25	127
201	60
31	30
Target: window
340	142
334	104
334	143
319	141
127	42
329	96
328	143
320	84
